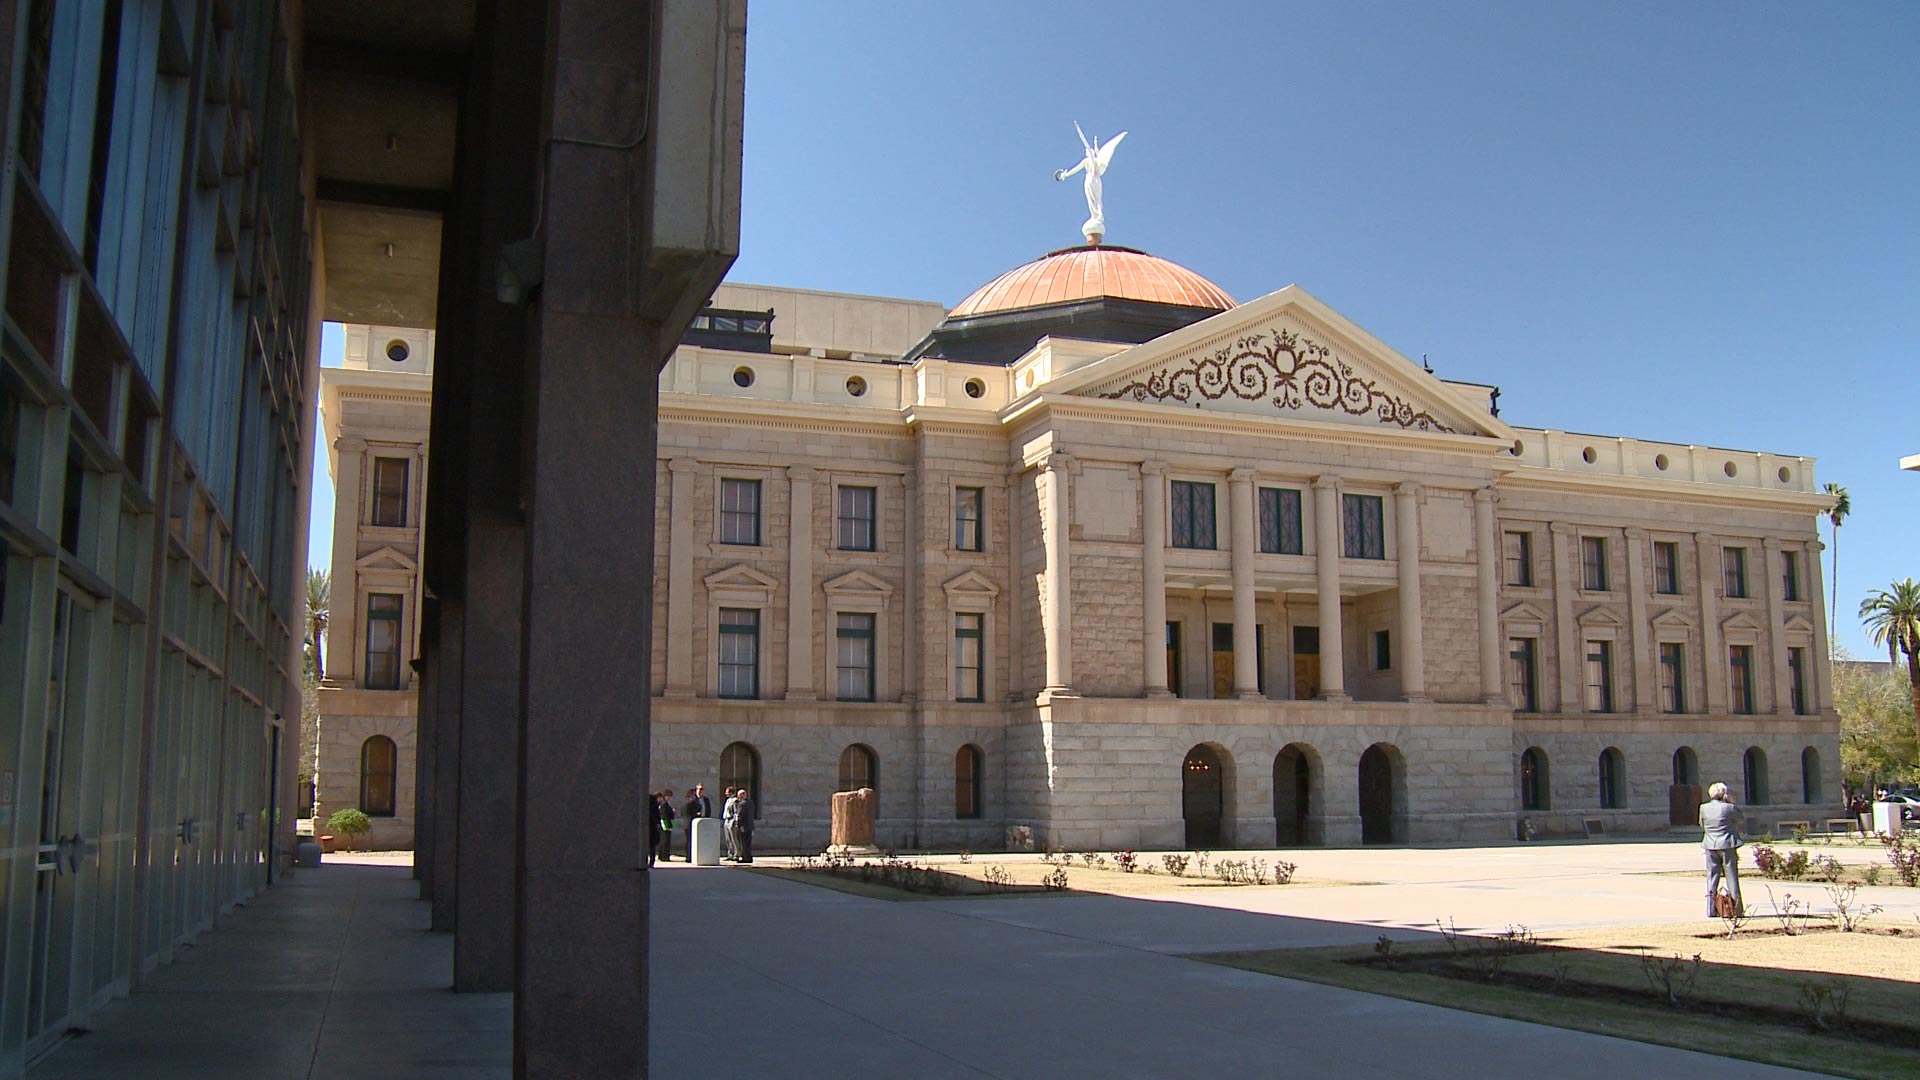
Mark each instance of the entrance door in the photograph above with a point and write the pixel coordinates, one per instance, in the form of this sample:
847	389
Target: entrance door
1306	663
1201	801
60	847
1222	660
1683	796
1292	780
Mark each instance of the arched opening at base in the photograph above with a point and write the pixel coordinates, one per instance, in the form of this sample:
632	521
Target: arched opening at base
1203	796
1383	795
1294	772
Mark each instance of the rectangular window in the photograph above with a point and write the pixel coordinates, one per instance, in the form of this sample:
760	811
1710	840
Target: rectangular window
1280	522
1193	515
854	519
853	637
1797	669
1673	677
1382	650
969	505
740	512
390	491
1599	676
1733	562
1790	575
968	675
1363	527
383	641
1173	658
1593	563
739	653
1518	552
1522	685
1666	567
1740	663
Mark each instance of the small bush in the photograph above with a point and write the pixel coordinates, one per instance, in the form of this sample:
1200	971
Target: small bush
1870	873
1671	977
1056	881
1176	864
1904	854
1283	872
1127	861
349	822
1827	868
1825	1003
1767	861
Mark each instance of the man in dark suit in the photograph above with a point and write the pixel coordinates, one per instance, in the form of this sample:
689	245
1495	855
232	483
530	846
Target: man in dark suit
698	806
742	827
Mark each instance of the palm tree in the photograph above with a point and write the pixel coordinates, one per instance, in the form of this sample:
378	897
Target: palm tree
1892	618
319	594
1842	506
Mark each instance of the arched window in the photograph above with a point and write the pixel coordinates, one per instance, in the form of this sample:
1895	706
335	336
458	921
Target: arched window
1686	766
1533	779
859	767
1613	779
1755	775
740	768
1810	775
379	762
966	781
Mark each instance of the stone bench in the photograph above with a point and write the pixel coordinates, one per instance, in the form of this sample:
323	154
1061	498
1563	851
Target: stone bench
1593	827
1845	826
1786	827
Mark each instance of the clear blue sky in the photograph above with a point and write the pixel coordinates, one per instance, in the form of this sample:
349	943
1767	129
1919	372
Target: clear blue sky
1696	223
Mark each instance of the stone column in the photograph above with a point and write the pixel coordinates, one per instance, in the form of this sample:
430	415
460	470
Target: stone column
1412	658
1246	635
1568	647
1643	681
800	632
1486	533
1055	526
1713	660
1820	671
680	643
1777	626
1153	564
1326	540
1016	623
343	650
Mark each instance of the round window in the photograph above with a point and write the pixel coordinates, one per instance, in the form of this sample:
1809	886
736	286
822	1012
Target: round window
1660	462
976	388
1786	475
856	386
743	376
1518	448
397	351
1731	469
1589	456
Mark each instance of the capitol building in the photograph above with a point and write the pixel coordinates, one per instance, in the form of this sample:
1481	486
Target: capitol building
1101	558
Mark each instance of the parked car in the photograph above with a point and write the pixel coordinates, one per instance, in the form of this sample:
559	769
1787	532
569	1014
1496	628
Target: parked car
1909	805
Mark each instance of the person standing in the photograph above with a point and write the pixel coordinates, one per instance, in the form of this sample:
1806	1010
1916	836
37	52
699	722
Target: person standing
743	827
665	809
653	826
698	806
1721	823
726	824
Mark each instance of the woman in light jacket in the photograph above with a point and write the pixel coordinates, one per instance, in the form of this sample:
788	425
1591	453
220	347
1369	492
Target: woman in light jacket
1722	822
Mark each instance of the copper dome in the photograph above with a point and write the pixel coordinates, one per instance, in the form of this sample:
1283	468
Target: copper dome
1084	273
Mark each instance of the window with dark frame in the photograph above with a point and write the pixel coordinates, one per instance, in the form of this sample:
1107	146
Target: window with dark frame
739	653
853	653
1740	664
390	492
969	506
859	768
1613	775
379	764
1790	575
1733	561
1593	563
1797	670
740	768
1600	676
1192	504
1522	677
966	782
1280	532
1173	658
740	511
1363	527
383	641
1382	650
1673	677
969	676
854	519
1666	567
1533	779
1517	552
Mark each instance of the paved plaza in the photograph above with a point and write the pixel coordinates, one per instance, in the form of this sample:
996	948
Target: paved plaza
333	975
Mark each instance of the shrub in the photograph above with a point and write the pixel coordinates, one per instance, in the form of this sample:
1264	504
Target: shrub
1870	873
1126	860
1671	978
1827	868
1283	872
1057	880
349	822
1904	854
1176	864
1767	861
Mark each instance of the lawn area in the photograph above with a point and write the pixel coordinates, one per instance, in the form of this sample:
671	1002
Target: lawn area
1824	1000
988	876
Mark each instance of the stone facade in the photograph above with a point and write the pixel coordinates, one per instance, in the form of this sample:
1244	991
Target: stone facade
1512	604
374	413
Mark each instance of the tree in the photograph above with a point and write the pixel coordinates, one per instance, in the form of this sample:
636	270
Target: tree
1842	506
319	597
1892	618
1878	744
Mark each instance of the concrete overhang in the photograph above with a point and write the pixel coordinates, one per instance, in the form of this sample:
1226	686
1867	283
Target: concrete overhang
1911	462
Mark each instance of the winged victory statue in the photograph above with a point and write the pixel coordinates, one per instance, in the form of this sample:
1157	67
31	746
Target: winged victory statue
1098	156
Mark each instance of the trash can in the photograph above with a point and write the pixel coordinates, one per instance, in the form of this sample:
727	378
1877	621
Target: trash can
706	841
1886	818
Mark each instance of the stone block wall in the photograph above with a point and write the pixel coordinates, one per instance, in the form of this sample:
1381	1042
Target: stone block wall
342	735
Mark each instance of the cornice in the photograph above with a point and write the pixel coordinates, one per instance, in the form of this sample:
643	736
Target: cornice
1525	476
778	415
1185	419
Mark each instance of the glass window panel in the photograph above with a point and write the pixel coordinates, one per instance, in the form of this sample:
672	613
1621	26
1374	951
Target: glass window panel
1593	558
1734	563
739	653
390	492
1599	676
1363	527
968	682
1193	515
968	507
854	656
740	512
855	519
1280	521
1518	553
1666	567
383	641
1673	694
1521	682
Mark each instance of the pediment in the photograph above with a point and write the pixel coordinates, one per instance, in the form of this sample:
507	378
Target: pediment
1742	621
740	578
971	584
1799	624
1673	619
1599	616
1524	612
386	558
858	583
1288	356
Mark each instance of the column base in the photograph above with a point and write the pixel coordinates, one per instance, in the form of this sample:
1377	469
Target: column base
1047	693
1160	693
679	695
803	695
1248	695
1416	699
1333	695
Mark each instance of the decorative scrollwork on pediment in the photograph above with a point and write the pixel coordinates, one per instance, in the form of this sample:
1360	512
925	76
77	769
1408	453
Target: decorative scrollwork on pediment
1279	365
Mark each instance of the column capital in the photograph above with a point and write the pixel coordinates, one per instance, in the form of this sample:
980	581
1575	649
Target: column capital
350	444
1326	482
1153	468
1770	543
1636	533
1243	475
1705	538
1561	528
682	465
801	474
1407	489
1485	495
1059	461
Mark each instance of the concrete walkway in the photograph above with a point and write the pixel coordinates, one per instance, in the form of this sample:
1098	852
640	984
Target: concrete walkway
332	975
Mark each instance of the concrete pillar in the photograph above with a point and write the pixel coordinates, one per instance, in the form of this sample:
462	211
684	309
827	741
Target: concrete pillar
1326	539
1642	644
483	922
1568	647
343	660
1017	485
1246	639
680	643
1153	568
1770	576
800	632
449	673
1486	541
1055	527
1412	648
1820	671
1713	660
